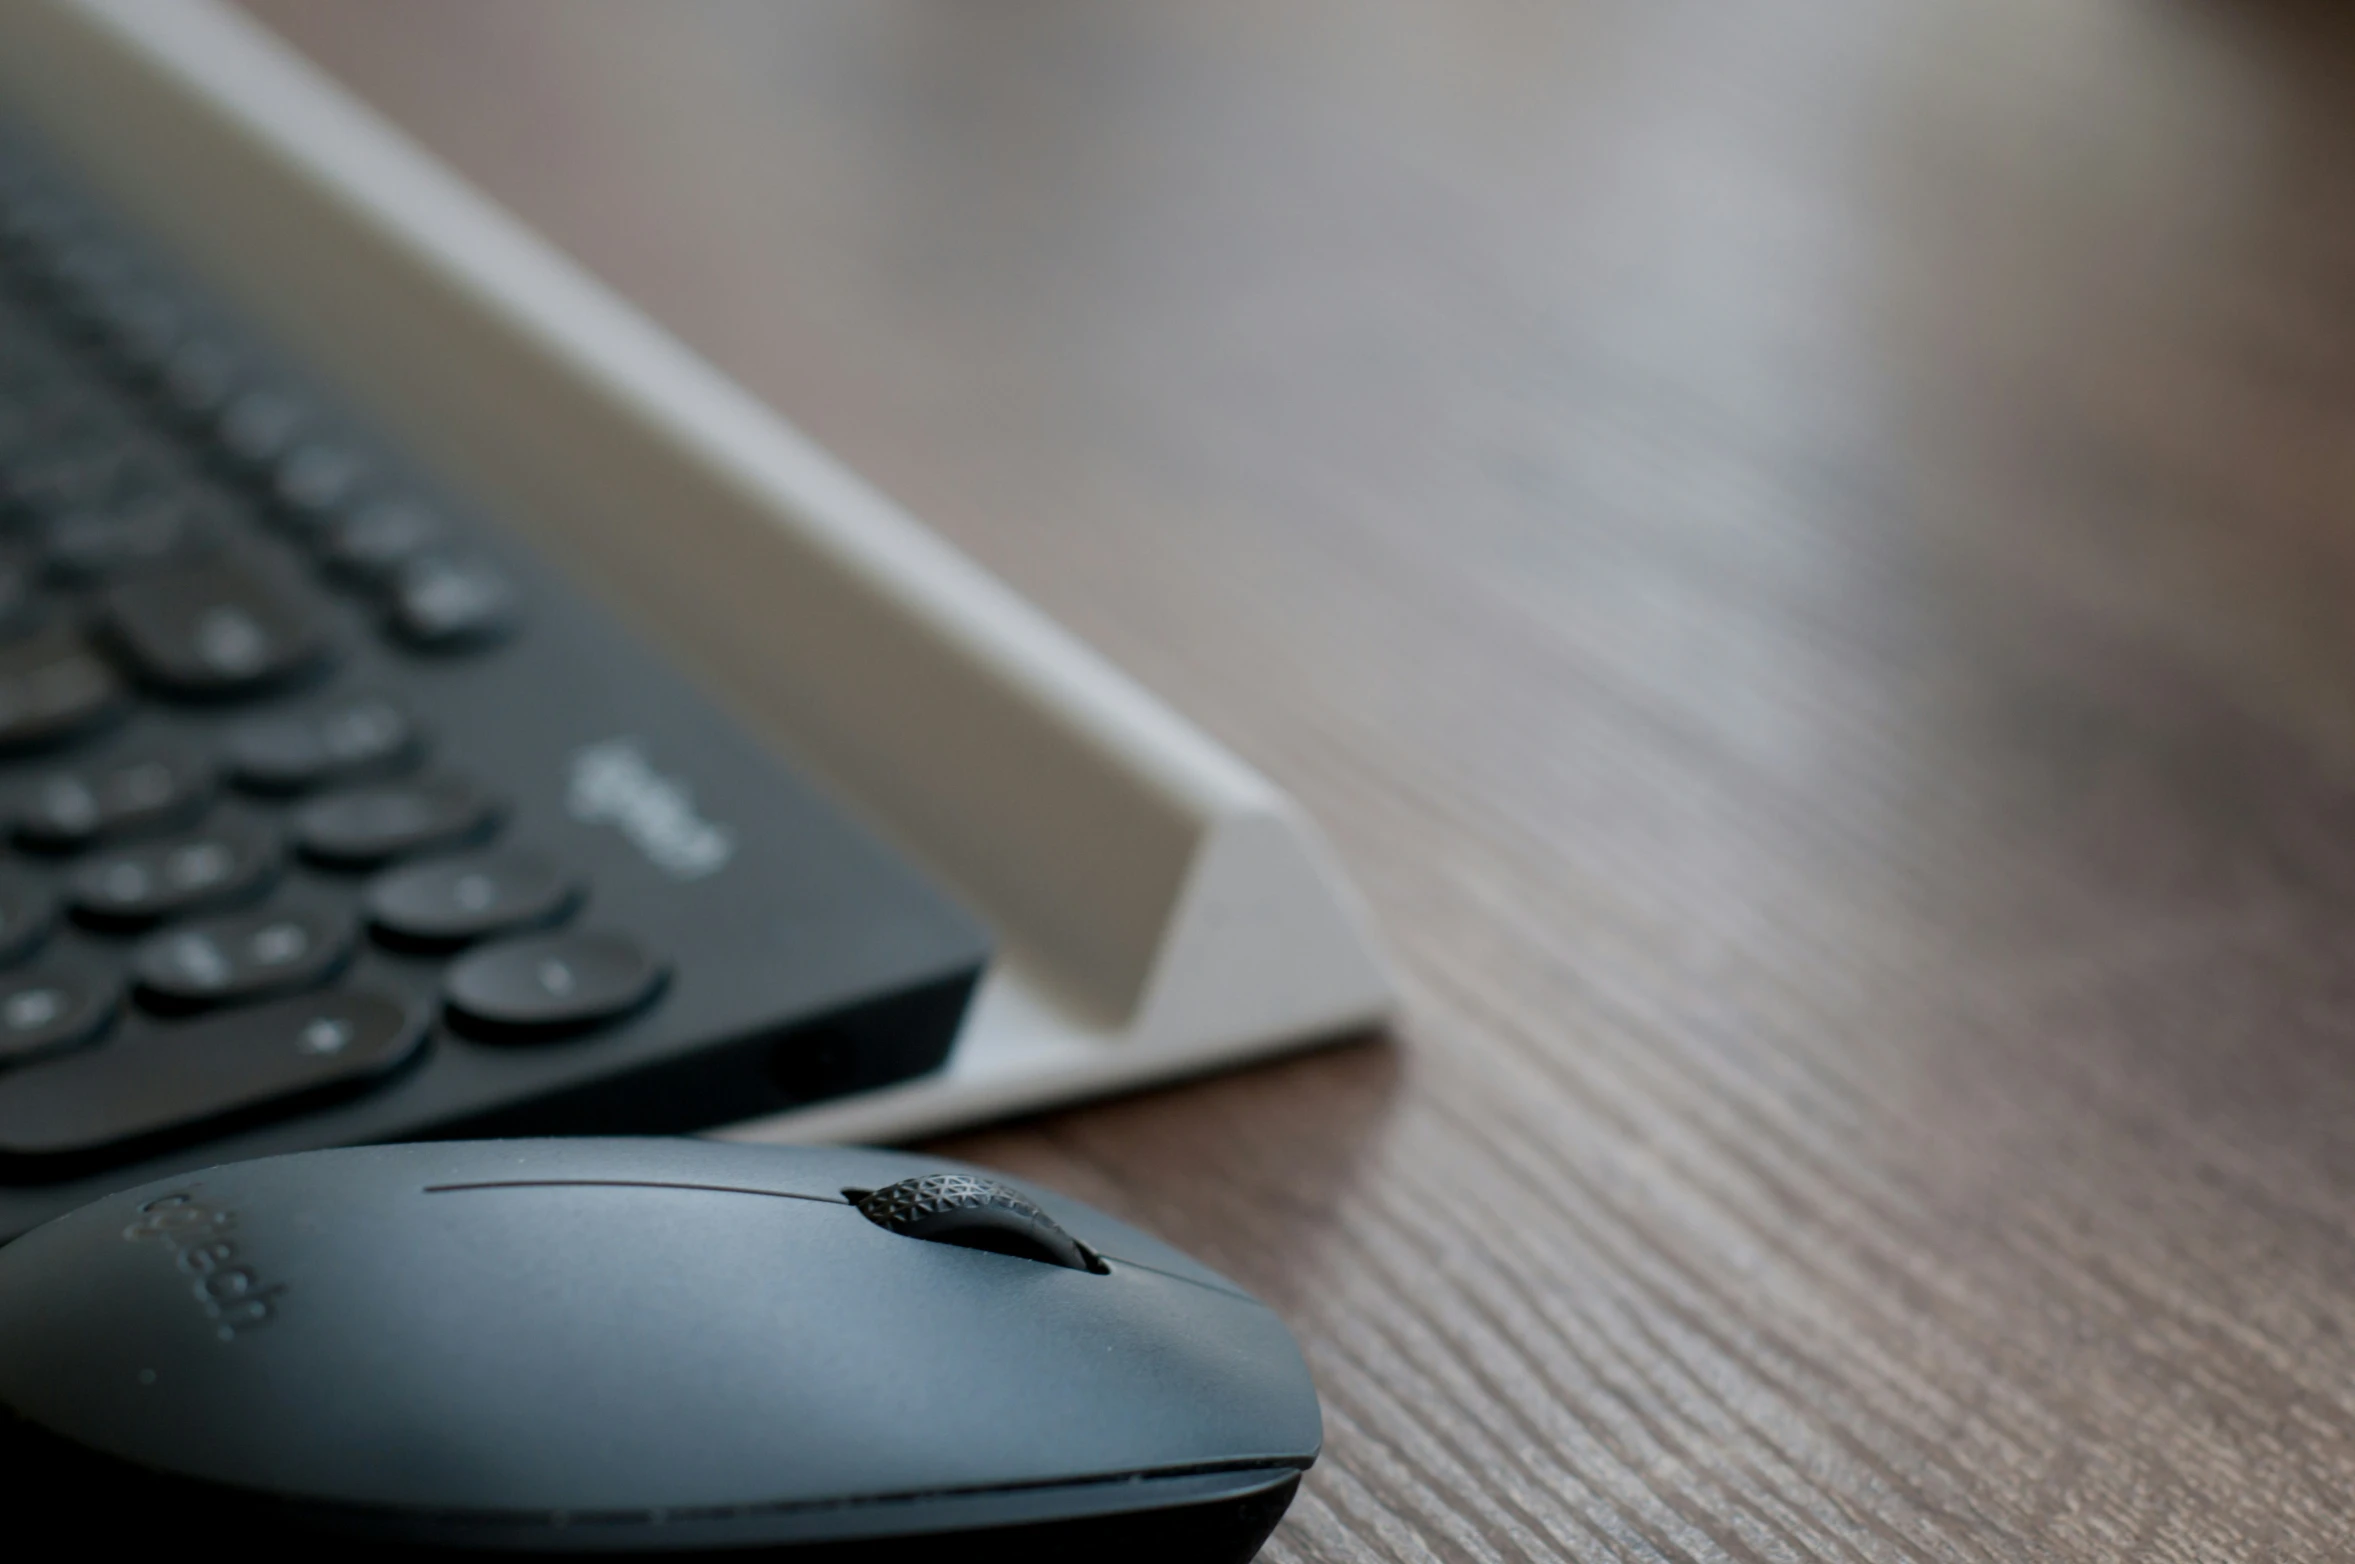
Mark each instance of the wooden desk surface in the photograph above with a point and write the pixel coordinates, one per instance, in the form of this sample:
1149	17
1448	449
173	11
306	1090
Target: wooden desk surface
1805	552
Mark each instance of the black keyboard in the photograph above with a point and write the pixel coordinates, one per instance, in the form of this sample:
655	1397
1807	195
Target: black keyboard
333	815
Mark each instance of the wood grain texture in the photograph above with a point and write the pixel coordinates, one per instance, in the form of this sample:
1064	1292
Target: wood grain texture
1805	553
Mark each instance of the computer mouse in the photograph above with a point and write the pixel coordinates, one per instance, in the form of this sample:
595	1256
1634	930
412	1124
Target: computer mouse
620	1346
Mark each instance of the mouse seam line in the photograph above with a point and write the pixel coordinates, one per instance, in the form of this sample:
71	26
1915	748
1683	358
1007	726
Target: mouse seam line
627	1183
1191	1281
780	1194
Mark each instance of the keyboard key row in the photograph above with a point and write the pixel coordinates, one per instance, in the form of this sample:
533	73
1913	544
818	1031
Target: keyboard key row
90	446
526	988
238	957
299	752
105	499
364	827
440	904
160	878
228	857
244	956
135	791
69	1095
146	788
154	882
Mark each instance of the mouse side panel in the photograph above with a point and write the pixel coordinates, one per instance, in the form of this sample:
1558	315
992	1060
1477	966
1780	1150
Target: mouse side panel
1209	1518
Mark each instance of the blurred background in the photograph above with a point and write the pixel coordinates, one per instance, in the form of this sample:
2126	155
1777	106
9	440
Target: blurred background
1805	553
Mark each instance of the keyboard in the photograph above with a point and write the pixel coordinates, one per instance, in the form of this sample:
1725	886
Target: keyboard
334	814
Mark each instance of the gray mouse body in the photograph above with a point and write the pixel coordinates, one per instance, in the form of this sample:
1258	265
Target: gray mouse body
606	1346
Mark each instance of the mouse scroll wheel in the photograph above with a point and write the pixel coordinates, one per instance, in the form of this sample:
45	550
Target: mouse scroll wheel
974	1213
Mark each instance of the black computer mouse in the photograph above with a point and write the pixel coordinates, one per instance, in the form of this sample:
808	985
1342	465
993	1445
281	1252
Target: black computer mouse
638	1346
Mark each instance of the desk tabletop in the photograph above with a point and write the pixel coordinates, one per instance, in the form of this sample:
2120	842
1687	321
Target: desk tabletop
1804	552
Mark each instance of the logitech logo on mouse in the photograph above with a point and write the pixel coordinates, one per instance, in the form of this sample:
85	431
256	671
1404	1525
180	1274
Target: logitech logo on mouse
232	1296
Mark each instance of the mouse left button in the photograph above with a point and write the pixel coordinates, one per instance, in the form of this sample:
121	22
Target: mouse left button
169	1079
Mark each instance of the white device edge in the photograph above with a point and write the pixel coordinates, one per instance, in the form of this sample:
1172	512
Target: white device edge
1163	910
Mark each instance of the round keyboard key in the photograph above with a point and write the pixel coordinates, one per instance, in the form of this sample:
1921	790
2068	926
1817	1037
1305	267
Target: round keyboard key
28	911
244	956
200	377
543	984
217	630
20	580
141	789
85	274
454	901
369	547
259	427
367	826
140	329
315	481
36	225
53	1007
295	753
445	602
53	687
132	886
